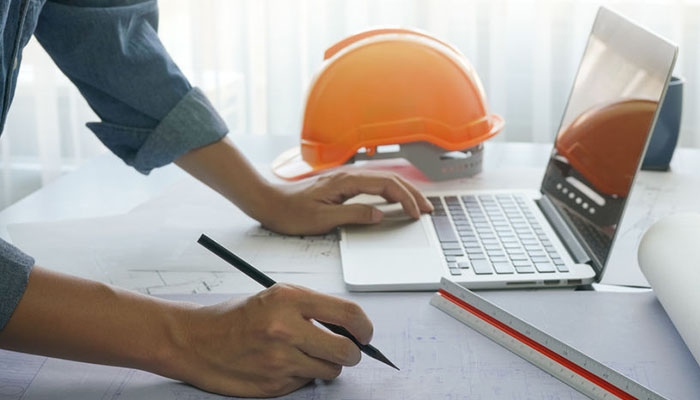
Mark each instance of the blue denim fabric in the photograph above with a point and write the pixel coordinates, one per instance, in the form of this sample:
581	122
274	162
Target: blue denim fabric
110	50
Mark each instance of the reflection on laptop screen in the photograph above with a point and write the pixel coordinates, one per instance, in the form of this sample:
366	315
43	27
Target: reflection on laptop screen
604	131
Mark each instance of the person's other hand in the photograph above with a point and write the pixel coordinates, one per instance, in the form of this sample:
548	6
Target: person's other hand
315	205
268	345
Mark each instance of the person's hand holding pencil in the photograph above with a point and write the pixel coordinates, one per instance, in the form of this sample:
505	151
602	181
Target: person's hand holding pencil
268	344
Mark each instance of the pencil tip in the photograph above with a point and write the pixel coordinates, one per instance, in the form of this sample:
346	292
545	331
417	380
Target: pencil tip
381	357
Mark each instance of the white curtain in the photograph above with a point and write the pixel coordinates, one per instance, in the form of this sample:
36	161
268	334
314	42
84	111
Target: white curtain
254	58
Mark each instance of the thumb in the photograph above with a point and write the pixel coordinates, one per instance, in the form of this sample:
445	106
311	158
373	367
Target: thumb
355	214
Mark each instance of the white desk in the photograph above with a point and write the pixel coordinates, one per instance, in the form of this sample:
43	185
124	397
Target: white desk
105	187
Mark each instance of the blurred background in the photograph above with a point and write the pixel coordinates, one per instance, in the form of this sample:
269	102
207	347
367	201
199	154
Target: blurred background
255	58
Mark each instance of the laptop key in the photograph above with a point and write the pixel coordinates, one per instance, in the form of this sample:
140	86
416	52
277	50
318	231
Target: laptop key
536	253
525	269
503	267
455	271
464	265
482	267
453	252
450	259
540	259
544	267
562	267
477	256
451	246
443	228
500	259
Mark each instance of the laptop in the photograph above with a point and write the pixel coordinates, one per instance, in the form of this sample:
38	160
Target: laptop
560	235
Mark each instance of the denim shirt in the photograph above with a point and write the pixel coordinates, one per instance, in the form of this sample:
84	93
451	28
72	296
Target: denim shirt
149	114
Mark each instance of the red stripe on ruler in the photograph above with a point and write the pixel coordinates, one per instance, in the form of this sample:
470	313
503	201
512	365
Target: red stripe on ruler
540	348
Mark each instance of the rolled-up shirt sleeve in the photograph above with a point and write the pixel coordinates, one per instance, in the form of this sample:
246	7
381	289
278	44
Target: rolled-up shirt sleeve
15	267
150	115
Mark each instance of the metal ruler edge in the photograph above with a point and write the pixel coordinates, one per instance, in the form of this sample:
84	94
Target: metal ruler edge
571	366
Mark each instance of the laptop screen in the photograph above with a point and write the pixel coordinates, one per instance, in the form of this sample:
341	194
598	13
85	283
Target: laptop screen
604	130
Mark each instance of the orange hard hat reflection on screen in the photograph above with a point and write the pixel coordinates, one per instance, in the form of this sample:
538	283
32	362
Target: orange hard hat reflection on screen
388	86
604	143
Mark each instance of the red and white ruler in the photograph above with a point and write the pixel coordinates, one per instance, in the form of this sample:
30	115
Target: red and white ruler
560	360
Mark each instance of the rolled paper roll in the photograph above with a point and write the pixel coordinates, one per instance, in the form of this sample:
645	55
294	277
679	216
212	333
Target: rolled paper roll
669	257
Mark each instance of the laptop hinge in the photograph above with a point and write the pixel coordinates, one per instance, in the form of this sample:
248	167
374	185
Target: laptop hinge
577	252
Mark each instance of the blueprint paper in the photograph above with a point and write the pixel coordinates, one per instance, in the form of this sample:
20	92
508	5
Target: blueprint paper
94	247
654	196
439	357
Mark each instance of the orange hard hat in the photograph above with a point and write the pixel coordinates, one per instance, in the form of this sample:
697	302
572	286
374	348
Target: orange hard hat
387	87
604	143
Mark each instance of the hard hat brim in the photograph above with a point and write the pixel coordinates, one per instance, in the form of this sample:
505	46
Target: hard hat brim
291	166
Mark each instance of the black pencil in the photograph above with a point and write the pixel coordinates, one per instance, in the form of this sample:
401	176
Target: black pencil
266	281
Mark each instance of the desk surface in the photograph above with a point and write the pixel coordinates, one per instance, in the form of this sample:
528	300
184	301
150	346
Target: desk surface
439	357
104	186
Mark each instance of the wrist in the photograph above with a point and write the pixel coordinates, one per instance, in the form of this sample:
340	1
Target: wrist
269	202
174	347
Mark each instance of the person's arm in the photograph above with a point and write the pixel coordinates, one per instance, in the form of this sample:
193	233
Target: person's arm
310	206
151	116
149	113
265	345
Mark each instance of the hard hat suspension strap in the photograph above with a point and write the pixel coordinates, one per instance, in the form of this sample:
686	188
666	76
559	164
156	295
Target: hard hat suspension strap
432	160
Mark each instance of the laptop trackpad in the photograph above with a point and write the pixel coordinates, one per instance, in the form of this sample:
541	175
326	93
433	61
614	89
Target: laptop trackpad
406	234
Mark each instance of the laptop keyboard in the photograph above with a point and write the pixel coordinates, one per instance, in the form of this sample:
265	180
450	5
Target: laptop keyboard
493	234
